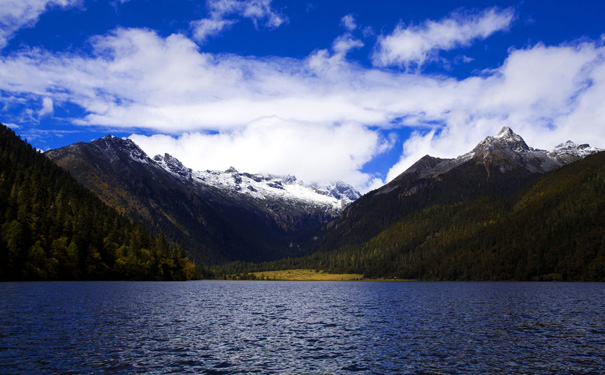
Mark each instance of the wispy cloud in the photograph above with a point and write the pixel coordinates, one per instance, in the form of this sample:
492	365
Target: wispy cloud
47	107
224	13
414	45
348	22
17	14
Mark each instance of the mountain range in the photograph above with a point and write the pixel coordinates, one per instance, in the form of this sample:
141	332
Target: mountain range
220	216
503	211
227	216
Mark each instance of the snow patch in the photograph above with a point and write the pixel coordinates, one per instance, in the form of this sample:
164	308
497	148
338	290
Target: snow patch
261	187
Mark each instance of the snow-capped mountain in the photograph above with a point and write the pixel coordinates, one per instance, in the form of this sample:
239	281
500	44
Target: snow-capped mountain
499	165
510	147
506	151
334	197
219	215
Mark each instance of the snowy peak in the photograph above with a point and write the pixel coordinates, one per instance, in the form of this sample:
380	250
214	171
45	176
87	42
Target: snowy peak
505	151
574	149
173	165
508	135
261	187
506	139
114	148
344	191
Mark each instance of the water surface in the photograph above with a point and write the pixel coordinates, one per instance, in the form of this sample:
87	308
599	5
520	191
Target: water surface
214	327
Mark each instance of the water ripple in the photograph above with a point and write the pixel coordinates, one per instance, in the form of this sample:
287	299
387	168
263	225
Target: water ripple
211	327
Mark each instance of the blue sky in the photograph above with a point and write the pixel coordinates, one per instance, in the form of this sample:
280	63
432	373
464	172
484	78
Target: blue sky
324	90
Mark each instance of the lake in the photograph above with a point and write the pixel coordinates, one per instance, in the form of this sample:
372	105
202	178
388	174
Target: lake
230	327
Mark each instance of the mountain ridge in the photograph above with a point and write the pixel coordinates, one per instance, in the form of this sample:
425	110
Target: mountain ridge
499	165
233	216
217	222
262	186
549	230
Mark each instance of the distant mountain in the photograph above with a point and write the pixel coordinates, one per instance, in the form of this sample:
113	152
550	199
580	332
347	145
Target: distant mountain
221	216
327	199
499	165
53	228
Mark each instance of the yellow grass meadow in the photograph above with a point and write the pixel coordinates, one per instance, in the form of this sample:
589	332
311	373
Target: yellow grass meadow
306	275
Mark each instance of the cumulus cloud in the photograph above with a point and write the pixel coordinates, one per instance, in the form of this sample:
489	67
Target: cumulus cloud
17	14
546	94
207	27
138	79
414	45
222	13
312	152
320	117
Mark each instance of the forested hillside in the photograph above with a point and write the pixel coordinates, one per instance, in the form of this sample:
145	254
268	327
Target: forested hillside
501	165
52	228
553	230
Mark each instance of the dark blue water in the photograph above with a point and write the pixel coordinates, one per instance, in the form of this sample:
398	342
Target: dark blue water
213	327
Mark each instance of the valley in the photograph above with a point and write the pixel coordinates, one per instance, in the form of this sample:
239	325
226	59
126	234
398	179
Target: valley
503	211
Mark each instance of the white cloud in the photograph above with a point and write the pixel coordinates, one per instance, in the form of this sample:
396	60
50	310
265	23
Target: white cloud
348	22
344	43
17	14
207	27
545	94
312	152
47	107
221	13
319	117
409	46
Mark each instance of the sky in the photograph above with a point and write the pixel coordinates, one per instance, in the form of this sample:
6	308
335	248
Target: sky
355	91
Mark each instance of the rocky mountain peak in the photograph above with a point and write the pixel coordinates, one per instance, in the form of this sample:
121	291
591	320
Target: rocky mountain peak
504	151
263	187
173	165
574	149
505	140
507	133
341	190
115	148
110	141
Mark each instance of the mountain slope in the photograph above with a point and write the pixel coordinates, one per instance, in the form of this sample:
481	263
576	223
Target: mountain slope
221	216
499	165
52	228
552	230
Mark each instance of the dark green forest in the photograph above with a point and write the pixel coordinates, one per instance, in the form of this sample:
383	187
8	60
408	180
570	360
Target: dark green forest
52	228
552	230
